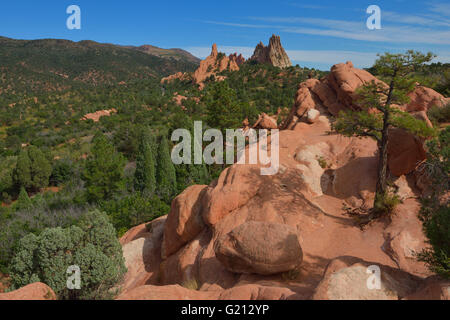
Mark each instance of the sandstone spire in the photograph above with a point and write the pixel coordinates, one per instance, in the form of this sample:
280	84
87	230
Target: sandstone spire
273	54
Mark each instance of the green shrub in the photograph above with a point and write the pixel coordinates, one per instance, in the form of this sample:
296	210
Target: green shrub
91	244
439	115
385	204
437	229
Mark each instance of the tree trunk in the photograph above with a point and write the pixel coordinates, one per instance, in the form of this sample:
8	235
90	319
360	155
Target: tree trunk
383	146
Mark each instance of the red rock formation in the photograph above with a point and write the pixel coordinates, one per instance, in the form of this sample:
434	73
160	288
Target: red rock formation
95	116
35	291
266	122
211	237
179	75
239	59
304	196
336	92
212	65
273	54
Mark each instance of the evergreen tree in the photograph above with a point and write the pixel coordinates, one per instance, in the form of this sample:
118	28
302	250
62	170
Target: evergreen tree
104	171
166	176
23	201
22	173
378	113
40	167
223	109
145	177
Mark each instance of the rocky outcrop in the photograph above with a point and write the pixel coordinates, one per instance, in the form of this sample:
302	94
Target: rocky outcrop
215	63
336	92
239	59
183	76
35	291
95	116
260	247
219	237
273	54
348	278
286	236
266	122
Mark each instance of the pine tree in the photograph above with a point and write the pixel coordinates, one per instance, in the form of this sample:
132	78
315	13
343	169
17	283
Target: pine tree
379	114
41	168
104	172
166	176
22	173
145	177
23	201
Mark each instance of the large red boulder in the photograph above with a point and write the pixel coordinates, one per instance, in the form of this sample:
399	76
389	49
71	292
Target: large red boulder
260	247
405	152
184	221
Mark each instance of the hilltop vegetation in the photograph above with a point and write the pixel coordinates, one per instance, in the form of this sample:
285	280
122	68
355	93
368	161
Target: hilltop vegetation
50	64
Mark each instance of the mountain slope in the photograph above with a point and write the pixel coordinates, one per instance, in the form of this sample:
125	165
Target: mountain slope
177	54
50	64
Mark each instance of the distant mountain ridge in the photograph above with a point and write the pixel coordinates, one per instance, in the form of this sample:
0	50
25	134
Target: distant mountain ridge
55	63
175	53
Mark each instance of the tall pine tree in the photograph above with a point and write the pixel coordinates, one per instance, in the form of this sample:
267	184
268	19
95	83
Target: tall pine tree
166	175
104	172
145	175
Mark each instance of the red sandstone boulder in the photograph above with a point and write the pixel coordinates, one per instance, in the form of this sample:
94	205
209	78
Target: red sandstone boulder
348	278
184	221
433	288
35	291
141	248
266	122
405	152
260	247
423	98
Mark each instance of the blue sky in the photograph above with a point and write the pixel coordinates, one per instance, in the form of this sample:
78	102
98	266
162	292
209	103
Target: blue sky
314	33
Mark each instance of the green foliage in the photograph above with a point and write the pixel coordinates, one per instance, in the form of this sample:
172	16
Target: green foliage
33	169
437	229
91	245
62	171
378	112
166	175
385	204
145	175
134	210
435	211
439	115
104	172
41	168
223	107
24	201
7	166
22	173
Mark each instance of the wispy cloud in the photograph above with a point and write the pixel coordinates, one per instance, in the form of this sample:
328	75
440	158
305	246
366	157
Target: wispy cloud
431	27
440	8
432	20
